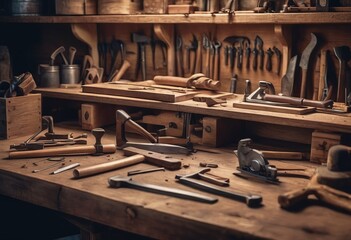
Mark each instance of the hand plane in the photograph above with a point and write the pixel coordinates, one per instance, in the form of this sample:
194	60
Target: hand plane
123	120
253	164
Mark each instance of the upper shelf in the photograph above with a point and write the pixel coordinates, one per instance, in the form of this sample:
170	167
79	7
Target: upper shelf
239	17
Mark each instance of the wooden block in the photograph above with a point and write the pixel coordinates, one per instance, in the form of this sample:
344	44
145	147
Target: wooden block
321	142
76	7
172	121
181	9
119	6
97	115
156	6
219	131
20	116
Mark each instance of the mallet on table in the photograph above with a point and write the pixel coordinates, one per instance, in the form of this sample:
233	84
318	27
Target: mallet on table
96	149
135	156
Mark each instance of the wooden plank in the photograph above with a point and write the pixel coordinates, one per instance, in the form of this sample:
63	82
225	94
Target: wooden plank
151	93
273	108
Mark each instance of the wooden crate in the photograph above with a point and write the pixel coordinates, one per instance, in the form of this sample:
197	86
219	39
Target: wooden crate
220	131
321	142
119	6
20	116
94	115
75	7
157	6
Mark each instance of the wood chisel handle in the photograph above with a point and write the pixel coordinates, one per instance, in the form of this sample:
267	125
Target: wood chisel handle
108	166
303	83
172	81
108	148
121	71
293	198
298	101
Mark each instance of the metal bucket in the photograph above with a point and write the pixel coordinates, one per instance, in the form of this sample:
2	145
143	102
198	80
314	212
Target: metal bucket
26	7
70	74
49	76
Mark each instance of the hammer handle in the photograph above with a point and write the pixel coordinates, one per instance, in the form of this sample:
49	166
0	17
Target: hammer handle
108	166
108	148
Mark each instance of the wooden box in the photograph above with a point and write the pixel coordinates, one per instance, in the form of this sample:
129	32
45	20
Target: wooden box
220	131
76	7
96	115
20	116
157	6
119	6
321	142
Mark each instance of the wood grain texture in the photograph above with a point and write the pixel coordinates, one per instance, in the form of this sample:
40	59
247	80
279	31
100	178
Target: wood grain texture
142	213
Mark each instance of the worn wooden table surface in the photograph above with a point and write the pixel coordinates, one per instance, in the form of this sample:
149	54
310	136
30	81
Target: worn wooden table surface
165	217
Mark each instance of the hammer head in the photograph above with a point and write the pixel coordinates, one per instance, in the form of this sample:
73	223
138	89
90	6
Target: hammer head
140	38
117	181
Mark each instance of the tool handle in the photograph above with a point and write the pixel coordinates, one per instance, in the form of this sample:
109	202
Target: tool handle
180	66
155	158
108	166
216	67
172	81
108	148
336	198
341	82
303	83
293	198
198	65
206	83
297	101
140	130
322	74
121	71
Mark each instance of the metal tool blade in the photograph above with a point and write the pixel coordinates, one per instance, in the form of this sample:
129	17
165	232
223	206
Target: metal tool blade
305	57
118	182
250	200
60	170
159	147
287	81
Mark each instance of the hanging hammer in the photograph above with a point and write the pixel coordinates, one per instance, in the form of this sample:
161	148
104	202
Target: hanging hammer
95	149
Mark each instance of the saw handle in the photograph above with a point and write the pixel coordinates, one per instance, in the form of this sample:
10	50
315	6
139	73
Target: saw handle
298	101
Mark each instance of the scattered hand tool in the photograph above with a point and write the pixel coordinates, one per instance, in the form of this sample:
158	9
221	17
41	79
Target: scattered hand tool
191	48
179	56
119	74
123	120
217	46
330	184
72	54
257	51
260	96
278	53
247	52
134	156
204	175
149	170
141	40
117	49
329	79
197	80
50	166
60	51
117	182
269	53
250	200
60	170
208	165
233	82
287	81
253	164
343	54
304	61
154	43
95	149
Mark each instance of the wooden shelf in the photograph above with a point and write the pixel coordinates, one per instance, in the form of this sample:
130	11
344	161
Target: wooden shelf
317	121
238	18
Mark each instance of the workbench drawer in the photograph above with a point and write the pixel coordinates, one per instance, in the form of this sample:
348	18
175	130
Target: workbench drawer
20	116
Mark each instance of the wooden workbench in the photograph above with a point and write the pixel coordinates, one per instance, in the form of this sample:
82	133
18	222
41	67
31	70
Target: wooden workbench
164	217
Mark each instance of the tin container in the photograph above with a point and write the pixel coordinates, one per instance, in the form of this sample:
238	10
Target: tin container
70	74
26	7
49	76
